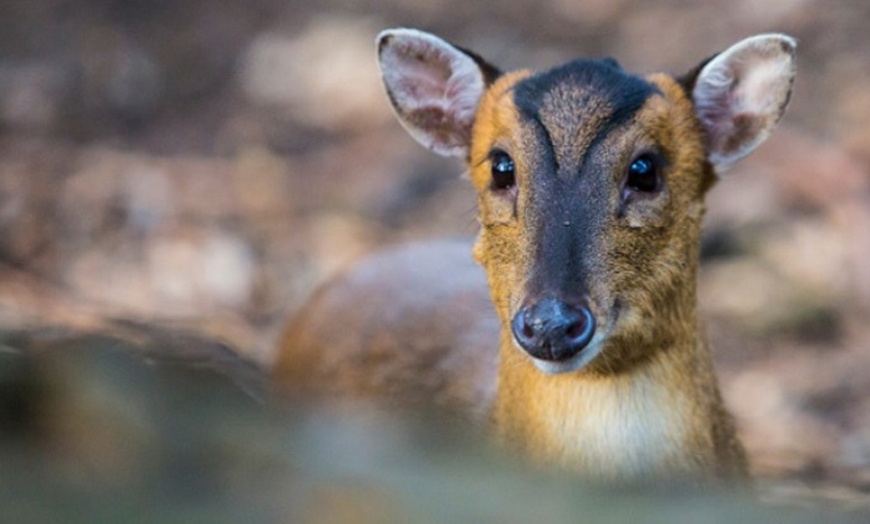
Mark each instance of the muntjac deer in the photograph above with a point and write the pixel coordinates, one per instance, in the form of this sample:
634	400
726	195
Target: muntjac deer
591	185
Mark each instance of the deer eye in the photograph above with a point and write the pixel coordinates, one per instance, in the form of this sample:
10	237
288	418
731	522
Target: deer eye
643	174
503	176
643	177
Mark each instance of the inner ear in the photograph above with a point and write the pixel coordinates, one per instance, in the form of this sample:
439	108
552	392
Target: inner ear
434	86
741	94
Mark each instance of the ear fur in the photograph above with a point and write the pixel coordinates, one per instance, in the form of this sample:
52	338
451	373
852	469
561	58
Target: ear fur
741	94
434	87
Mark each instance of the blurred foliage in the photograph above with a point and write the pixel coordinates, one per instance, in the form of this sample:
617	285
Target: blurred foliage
93	431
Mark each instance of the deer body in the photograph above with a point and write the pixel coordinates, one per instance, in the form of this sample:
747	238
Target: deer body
590	185
392	328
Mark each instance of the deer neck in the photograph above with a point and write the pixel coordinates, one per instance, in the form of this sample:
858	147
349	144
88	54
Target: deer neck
653	416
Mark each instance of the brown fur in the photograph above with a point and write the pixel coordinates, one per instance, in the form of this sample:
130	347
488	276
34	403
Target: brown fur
393	328
648	403
653	268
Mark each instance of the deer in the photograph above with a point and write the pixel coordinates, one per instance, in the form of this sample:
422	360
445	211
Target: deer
590	185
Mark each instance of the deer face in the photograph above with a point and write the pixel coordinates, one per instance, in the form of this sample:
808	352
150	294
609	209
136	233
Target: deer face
590	183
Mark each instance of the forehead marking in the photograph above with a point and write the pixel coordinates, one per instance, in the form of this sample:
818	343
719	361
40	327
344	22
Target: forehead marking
575	105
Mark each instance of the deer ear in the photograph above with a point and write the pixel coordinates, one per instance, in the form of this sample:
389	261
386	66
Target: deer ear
434	87
741	94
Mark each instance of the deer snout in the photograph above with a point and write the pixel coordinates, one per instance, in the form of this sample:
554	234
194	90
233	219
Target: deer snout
553	330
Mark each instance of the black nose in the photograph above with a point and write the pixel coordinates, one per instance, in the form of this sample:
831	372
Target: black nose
551	329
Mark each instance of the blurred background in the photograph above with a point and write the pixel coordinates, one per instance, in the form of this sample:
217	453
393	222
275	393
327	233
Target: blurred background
204	164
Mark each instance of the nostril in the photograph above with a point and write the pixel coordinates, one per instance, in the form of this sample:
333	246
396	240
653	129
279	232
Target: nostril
581	328
527	330
523	330
576	329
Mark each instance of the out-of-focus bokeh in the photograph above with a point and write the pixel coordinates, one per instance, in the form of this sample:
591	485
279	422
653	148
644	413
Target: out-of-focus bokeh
203	165
90	434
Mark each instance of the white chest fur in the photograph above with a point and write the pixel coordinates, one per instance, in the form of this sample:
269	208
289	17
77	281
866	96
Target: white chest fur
617	427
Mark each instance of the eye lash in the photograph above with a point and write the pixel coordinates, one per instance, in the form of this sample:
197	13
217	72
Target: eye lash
483	160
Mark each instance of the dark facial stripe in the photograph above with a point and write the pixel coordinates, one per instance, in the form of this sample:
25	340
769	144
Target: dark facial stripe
588	97
565	222
604	79
548	156
569	110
